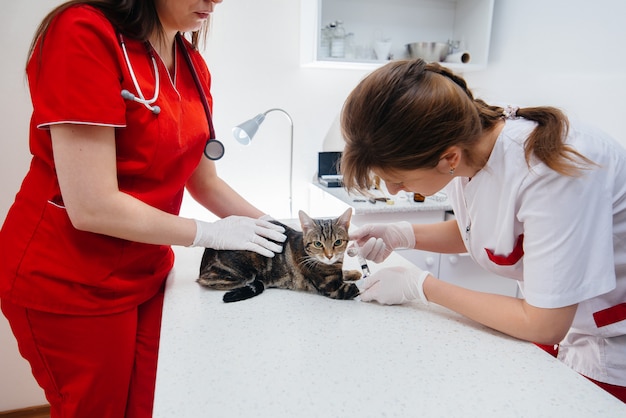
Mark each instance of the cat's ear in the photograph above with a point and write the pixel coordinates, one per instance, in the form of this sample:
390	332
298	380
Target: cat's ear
306	222
344	219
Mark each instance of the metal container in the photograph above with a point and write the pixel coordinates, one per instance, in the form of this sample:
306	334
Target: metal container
428	51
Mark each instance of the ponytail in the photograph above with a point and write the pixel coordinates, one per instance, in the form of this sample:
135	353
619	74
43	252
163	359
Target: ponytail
546	142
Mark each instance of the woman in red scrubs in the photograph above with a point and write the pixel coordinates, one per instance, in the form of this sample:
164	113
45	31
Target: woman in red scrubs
85	248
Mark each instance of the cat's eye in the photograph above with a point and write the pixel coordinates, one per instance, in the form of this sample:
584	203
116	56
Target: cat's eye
318	244
338	243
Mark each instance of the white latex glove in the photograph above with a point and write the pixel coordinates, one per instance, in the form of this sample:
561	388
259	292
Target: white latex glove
240	233
377	241
394	285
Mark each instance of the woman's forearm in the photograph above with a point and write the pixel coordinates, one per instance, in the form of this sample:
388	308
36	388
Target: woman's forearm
441	237
506	314
123	216
85	162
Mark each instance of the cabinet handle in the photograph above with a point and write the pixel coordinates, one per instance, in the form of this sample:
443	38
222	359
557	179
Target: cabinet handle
430	261
454	259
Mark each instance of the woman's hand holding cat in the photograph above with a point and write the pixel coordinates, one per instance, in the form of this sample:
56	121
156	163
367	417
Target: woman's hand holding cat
394	285
377	241
240	233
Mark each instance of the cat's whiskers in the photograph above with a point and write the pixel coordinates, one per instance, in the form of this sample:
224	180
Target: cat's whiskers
308	261
312	262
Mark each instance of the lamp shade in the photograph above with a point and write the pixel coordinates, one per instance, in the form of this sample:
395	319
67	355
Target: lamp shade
244	132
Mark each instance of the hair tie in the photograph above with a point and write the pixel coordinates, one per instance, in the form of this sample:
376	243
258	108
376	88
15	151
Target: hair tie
510	112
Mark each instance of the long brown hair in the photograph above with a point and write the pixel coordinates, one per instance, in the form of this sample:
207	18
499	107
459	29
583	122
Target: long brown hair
406	114
136	19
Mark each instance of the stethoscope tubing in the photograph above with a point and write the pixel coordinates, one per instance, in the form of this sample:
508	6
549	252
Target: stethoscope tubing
157	85
213	149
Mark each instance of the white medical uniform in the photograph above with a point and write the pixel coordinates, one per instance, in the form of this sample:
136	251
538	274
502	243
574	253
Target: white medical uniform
563	238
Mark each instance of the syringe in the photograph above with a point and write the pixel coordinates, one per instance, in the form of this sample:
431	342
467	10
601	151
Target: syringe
354	251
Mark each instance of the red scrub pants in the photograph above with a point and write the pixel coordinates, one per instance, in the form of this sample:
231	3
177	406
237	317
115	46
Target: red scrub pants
92	366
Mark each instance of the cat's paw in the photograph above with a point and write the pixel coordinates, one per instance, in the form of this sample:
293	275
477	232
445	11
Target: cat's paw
351	275
346	291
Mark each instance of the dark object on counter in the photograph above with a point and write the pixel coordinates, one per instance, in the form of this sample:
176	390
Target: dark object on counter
418	197
331	181
328	169
378	199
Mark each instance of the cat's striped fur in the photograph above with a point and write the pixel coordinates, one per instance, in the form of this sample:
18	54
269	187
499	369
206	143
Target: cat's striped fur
311	261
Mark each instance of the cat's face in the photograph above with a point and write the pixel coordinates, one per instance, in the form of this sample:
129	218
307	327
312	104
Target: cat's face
326	240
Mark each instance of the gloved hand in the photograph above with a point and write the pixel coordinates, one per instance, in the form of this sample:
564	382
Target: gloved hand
240	233
377	241
394	285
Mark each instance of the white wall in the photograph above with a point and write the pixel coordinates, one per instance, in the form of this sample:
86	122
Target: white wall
566	53
18	21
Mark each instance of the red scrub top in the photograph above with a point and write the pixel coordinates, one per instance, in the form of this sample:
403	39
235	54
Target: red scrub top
45	263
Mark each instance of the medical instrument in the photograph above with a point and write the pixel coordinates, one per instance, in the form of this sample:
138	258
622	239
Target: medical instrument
141	99
373	200
354	251
213	149
385	199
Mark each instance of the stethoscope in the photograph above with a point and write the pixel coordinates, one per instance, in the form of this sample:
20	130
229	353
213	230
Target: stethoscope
214	149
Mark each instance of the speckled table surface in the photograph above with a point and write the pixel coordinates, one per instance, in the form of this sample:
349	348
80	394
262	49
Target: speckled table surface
297	355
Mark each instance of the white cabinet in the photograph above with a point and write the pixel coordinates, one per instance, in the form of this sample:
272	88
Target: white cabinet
399	21
460	269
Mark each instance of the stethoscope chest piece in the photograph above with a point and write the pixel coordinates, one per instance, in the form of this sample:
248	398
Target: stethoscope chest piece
214	149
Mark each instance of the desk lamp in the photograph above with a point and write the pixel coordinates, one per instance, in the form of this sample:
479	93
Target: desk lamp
245	131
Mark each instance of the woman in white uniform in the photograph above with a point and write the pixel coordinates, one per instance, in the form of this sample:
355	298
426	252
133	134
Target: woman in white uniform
537	198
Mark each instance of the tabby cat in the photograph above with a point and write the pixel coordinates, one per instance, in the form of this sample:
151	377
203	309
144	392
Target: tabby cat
311	261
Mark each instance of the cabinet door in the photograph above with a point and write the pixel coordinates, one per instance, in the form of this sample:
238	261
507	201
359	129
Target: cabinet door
461	270
423	259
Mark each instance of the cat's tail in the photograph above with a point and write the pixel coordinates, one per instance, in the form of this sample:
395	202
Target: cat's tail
248	291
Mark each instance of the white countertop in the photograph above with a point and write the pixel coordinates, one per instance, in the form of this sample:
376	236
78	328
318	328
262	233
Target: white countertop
298	355
437	202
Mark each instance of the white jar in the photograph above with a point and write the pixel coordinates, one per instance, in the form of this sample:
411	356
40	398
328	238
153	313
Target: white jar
338	41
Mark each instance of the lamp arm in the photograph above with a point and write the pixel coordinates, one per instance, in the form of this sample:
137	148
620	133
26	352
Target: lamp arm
276	109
